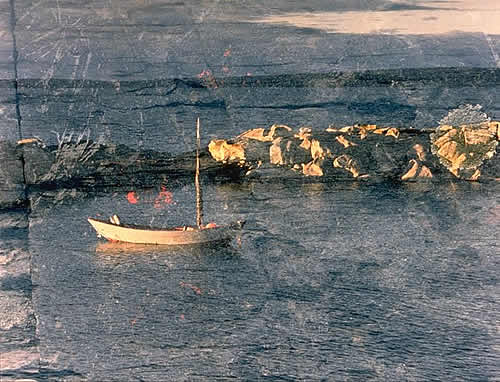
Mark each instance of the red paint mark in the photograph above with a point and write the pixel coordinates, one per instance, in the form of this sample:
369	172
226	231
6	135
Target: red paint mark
132	197
182	317
227	53
205	73
194	288
209	78
164	197
225	69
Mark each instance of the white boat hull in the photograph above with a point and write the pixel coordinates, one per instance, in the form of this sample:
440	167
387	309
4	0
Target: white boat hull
143	235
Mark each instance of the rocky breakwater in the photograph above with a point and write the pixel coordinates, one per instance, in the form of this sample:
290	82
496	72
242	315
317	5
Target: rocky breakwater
86	164
462	147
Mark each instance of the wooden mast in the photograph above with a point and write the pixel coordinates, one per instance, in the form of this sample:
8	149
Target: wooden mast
199	201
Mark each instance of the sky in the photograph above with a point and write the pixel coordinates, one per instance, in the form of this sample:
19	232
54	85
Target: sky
402	17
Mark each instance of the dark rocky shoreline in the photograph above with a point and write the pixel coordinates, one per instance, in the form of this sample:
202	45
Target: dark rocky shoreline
32	167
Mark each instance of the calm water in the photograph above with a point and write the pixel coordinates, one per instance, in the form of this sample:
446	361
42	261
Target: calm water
341	281
330	282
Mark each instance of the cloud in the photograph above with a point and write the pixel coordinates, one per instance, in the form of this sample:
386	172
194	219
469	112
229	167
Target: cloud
400	18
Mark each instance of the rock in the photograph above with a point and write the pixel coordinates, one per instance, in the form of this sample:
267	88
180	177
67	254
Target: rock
15	310
366	151
17	360
11	176
416	171
223	151
19	354
38	161
463	149
13	219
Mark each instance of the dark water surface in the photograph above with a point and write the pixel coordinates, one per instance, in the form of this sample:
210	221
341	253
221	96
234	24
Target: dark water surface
338	281
332	281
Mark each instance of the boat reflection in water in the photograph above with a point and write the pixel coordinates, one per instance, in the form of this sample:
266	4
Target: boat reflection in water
129	254
120	248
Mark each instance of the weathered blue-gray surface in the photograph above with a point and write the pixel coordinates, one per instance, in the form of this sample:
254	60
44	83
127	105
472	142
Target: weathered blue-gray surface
11	176
155	114
19	354
351	282
330	282
6	41
8	117
11	188
133	40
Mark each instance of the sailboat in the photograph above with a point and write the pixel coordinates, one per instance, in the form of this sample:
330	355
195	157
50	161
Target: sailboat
115	231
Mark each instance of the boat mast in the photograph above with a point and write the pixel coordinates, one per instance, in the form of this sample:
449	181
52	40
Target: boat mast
199	202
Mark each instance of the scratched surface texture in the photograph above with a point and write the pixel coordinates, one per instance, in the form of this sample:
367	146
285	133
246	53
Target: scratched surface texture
332	281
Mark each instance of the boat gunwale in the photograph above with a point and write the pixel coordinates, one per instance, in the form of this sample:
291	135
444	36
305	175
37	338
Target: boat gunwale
236	225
